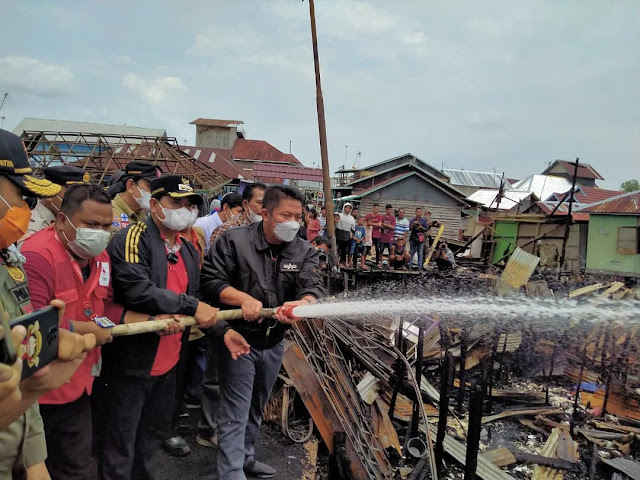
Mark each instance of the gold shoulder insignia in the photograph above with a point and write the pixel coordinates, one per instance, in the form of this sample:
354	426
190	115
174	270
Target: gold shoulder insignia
131	244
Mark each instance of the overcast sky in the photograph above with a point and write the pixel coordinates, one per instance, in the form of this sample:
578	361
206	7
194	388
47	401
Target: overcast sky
477	85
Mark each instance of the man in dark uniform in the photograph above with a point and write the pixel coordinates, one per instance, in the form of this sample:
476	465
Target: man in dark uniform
154	272
263	264
132	194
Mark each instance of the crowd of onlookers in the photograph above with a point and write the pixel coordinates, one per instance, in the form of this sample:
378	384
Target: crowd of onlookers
390	238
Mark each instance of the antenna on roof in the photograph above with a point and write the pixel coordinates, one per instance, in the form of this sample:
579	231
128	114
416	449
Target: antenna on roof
355	162
2	116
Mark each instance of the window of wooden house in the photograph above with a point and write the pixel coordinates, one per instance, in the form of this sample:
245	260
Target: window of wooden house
629	240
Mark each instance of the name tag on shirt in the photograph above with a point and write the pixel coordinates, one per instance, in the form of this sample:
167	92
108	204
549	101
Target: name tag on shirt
105	274
289	267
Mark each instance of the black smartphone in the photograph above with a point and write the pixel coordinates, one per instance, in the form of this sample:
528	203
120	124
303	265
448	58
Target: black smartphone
40	346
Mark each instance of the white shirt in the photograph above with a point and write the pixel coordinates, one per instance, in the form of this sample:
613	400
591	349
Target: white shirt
208	224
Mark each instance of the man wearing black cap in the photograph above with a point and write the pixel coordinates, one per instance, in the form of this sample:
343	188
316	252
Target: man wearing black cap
133	192
154	272
46	210
22	444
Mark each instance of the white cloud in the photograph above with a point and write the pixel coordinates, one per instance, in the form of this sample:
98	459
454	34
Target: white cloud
35	77
155	91
122	59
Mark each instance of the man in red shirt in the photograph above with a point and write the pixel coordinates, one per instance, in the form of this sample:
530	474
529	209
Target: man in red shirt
387	231
154	272
375	220
67	261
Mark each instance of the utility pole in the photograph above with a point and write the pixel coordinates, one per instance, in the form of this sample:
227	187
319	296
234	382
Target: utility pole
569	221
322	130
2	117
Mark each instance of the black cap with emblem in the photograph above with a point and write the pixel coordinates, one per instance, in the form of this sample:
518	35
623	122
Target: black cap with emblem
176	186
65	175
145	170
14	164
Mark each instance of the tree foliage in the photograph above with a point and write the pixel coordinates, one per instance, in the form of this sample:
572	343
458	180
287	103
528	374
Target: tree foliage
630	185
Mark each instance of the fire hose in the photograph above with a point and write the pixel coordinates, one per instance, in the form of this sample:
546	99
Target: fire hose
159	325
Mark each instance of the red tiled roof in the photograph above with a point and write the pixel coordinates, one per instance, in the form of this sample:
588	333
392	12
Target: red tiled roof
261	151
275	170
218	159
584	170
212	122
625	203
588	195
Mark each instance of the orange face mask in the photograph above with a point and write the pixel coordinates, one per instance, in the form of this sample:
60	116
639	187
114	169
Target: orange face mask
14	224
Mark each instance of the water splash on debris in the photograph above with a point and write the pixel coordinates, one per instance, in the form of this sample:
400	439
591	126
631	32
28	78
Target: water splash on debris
470	307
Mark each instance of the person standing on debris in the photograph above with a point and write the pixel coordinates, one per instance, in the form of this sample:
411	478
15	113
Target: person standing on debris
356	243
374	220
402	226
68	261
230	209
46	210
344	228
23	448
418	227
252	198
387	231
251	267
132	194
153	272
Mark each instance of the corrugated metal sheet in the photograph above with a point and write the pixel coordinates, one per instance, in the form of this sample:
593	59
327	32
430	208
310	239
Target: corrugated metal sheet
475	179
212	122
518	270
586	195
625	203
543	185
276	170
47	125
487	198
261	151
485	469
628	467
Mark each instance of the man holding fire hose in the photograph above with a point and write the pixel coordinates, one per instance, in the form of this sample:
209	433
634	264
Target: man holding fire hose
153	272
260	265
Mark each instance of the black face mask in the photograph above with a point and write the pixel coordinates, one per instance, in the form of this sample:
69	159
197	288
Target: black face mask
322	255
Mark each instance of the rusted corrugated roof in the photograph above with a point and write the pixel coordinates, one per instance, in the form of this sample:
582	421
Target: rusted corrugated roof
584	169
212	122
586	195
261	151
562	210
218	159
291	172
625	204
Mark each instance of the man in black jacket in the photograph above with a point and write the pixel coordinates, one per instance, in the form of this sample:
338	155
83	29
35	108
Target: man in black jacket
154	273
261	265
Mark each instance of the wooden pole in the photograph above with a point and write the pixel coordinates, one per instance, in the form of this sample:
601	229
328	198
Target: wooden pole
569	221
322	131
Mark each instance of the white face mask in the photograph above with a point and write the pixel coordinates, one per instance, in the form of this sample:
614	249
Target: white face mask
144	199
254	218
286	231
178	219
89	242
